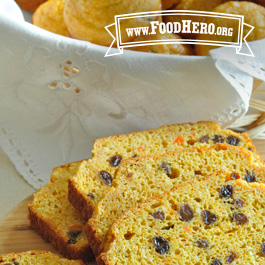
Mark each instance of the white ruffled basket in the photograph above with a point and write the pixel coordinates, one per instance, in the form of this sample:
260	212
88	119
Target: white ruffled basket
59	94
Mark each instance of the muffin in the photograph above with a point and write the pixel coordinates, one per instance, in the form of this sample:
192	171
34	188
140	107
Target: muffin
49	16
165	48
86	20
198	5
254	15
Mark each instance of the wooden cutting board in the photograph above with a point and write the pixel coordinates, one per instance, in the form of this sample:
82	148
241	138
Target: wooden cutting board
16	235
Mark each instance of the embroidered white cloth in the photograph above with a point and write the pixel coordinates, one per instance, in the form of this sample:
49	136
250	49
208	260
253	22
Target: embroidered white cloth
59	94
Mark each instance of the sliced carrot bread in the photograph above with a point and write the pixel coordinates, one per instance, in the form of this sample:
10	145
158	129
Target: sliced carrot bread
140	178
36	258
56	220
212	221
94	177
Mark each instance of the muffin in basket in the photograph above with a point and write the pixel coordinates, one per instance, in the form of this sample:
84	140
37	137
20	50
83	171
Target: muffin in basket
254	15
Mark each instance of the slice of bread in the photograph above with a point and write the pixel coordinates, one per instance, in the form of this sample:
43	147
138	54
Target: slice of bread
94	177
56	220
36	257
211	221
140	178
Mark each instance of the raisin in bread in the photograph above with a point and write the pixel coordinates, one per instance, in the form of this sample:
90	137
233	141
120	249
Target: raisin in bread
139	178
212	221
36	257
95	175
56	220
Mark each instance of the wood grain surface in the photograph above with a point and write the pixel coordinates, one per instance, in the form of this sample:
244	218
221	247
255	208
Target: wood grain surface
16	235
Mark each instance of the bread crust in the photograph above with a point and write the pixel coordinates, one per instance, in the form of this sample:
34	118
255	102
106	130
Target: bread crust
95	240
102	259
84	206
46	230
13	256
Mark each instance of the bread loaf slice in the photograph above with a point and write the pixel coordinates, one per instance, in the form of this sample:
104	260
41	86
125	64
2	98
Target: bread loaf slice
212	221
36	257
56	220
94	177
140	178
